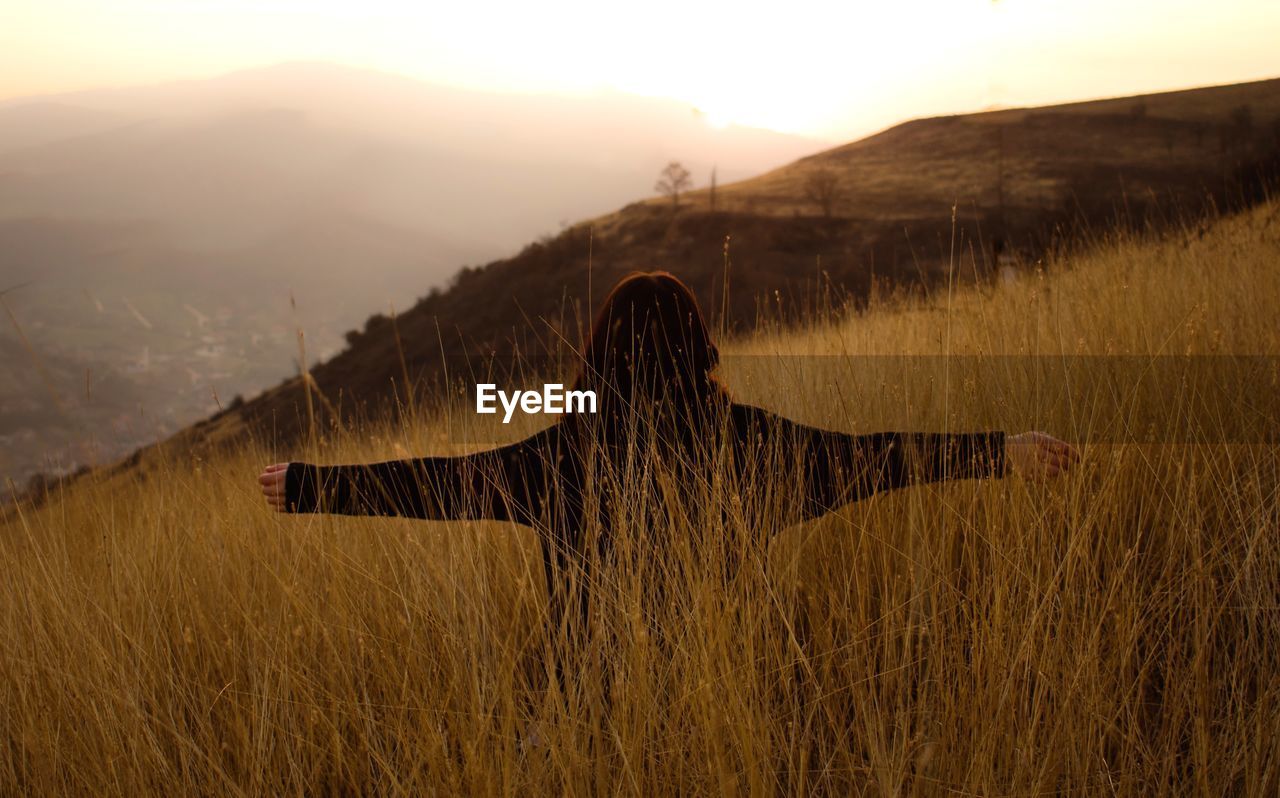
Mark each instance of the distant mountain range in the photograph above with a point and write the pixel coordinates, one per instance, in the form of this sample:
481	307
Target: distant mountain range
997	187
175	237
225	161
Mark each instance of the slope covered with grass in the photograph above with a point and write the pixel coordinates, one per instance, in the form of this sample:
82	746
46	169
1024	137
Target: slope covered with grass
1115	631
1018	181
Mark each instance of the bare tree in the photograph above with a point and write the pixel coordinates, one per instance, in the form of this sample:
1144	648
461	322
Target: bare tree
822	187
673	179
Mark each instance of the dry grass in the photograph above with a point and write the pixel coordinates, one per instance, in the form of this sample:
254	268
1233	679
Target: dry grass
1115	632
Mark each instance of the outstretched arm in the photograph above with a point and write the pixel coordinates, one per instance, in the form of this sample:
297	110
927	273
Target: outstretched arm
840	468
836	468
500	484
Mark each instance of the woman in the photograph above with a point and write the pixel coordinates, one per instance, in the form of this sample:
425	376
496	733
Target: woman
650	360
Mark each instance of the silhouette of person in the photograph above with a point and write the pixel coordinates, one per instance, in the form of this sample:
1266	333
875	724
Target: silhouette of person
650	360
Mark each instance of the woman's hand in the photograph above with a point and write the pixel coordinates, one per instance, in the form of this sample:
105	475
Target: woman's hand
272	481
1037	456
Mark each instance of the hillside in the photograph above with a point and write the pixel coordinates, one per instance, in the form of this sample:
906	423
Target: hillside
1113	631
332	190
1020	180
1012	168
1028	177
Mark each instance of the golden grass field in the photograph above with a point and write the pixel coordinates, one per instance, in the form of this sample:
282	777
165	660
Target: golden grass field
1116	631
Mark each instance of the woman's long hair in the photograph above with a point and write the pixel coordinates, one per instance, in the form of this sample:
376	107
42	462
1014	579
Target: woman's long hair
649	358
650	346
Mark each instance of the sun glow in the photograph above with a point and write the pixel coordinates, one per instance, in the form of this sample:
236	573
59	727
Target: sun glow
717	119
821	68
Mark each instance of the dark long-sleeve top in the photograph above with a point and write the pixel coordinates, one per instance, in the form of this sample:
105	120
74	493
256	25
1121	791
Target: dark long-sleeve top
543	480
579	478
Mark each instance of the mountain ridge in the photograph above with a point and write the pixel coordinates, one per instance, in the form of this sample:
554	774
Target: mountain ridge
1005	184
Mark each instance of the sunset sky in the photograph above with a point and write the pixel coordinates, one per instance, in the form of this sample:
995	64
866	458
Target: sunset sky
829	69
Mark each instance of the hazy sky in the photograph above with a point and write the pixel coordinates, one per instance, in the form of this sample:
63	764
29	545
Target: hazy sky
831	69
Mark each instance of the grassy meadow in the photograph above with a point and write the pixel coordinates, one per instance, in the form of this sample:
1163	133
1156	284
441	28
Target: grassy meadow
1116	631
